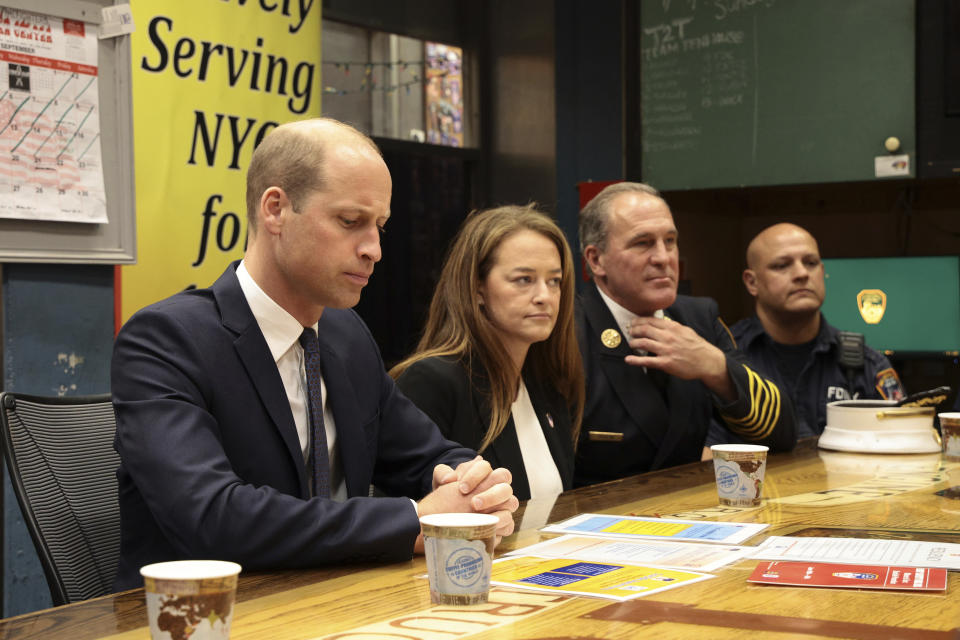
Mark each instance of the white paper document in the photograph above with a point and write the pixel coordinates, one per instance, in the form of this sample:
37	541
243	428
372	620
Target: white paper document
908	553
637	527
678	555
889	166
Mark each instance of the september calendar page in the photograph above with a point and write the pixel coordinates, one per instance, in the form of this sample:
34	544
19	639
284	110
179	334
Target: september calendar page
50	160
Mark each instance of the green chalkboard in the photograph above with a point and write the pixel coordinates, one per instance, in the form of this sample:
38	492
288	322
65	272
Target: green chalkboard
765	92
920	298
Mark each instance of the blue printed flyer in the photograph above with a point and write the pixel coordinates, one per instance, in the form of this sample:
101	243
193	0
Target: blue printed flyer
638	527
582	578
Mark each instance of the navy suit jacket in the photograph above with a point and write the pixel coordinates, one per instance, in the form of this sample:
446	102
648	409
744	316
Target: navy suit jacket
458	403
211	465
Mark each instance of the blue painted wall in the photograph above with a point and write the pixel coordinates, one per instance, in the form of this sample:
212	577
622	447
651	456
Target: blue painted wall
589	101
57	339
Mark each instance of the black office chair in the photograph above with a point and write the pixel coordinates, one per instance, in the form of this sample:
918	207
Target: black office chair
60	455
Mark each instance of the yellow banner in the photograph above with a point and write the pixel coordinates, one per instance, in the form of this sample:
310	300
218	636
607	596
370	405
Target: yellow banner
210	79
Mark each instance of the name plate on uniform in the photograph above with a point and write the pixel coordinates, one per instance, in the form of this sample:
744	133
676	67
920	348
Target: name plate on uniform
605	436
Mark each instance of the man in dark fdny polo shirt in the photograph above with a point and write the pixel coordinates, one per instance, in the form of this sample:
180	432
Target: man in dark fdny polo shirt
791	341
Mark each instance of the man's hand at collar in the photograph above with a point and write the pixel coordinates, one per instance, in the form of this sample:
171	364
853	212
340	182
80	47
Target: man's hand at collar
680	351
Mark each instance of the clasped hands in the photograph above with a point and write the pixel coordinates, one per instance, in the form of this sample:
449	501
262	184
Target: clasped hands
473	487
680	351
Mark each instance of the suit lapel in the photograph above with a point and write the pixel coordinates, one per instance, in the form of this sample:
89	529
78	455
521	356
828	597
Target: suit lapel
344	405
680	395
637	393
252	349
504	451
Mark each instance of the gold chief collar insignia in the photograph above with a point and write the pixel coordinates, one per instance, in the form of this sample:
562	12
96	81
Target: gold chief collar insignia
872	303
610	338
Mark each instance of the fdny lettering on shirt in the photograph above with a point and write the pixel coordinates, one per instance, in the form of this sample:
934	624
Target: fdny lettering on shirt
839	393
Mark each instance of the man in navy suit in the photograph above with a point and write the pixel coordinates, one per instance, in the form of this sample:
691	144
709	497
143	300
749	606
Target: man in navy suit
215	428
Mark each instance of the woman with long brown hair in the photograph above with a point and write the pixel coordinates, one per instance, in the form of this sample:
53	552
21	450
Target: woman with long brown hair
498	368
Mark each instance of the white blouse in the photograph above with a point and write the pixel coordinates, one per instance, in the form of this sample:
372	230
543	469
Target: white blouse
542	473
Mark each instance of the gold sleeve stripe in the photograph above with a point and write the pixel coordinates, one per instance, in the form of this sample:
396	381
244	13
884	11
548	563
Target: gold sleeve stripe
773	415
756	388
767	399
751	418
770	404
764	409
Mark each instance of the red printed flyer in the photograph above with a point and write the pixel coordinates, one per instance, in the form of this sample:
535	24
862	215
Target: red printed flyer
856	576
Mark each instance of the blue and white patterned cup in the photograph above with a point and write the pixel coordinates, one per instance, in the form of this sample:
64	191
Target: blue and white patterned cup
459	551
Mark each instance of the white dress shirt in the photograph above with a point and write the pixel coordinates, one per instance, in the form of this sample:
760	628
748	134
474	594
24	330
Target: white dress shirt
282	333
624	318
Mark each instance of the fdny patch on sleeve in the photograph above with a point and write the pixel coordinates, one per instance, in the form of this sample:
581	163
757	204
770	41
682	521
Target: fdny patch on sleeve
888	384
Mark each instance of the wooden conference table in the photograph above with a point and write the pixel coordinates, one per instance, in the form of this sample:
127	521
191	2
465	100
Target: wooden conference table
807	492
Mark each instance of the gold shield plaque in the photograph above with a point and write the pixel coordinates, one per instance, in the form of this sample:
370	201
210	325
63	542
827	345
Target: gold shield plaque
610	338
872	303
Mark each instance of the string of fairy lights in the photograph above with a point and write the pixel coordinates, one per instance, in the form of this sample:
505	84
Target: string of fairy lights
368	83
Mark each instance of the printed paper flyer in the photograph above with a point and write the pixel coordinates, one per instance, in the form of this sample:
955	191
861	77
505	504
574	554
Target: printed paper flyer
634	527
913	553
661	553
598	579
850	576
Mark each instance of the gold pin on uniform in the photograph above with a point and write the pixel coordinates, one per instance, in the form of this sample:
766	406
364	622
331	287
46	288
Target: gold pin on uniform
610	338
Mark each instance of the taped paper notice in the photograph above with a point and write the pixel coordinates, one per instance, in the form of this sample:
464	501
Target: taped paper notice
117	20
891	166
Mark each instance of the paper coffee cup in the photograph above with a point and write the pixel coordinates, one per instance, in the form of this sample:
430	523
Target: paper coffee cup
190	599
950	435
739	470
459	551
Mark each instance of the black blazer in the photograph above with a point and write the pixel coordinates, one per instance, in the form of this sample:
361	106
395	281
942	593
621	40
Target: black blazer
634	423
211	465
457	402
